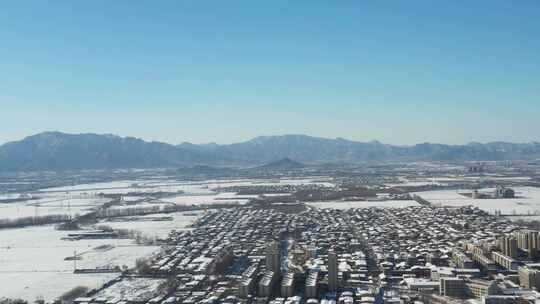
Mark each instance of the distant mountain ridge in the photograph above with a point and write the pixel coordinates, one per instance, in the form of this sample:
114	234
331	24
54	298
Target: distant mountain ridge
61	151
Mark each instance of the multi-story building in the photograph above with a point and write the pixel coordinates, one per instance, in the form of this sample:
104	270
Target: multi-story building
509	246
245	287
453	287
273	258
503	192
332	271
247	282
529	241
529	277
504	261
482	288
312	285
266	284
461	259
478	255
287	285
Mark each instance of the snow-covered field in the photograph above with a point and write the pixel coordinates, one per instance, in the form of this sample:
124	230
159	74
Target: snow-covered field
32	260
50	205
47	285
92	186
527	201
223	198
447	180
158	229
363	204
140	289
199	187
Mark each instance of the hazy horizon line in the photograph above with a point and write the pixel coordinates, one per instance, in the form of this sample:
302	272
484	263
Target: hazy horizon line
267	135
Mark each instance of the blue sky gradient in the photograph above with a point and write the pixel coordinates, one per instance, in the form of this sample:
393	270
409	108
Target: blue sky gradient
400	72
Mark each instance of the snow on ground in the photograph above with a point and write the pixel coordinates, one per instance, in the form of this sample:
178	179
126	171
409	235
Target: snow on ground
321	180
223	197
141	205
32	260
363	204
187	187
140	289
47	285
6	196
446	180
413	184
527	201
158	229
85	187
50	206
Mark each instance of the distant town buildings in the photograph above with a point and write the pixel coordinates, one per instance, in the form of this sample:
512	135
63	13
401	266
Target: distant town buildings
503	192
247	255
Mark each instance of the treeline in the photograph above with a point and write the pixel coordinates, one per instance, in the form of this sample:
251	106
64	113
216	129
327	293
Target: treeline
146	210
34	220
12	301
136	235
132	211
420	200
72	223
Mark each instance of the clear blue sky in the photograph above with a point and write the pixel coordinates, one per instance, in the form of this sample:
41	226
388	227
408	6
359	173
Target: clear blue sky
400	72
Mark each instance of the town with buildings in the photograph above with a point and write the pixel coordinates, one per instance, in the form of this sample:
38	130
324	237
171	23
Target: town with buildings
400	233
419	254
269	152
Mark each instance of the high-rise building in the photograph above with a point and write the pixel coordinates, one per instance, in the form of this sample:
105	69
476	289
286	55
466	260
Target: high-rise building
533	242
332	271
529	241
266	284
529	277
247	283
287	285
311	285
245	287
273	258
509	246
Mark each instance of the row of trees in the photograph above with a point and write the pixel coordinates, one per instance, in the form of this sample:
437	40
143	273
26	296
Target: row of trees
34	220
133	211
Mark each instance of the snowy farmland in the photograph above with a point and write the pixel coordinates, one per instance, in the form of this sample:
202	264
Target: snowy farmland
188	187
526	202
159	229
453	179
32	259
214	198
363	204
66	205
132	289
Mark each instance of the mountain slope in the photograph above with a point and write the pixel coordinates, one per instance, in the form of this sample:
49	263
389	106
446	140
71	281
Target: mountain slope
60	151
282	164
308	149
